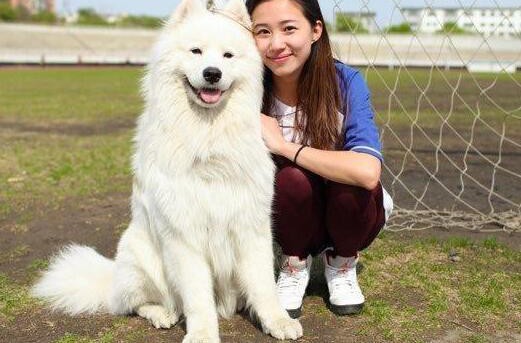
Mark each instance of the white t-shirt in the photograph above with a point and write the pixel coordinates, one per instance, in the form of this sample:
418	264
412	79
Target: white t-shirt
285	115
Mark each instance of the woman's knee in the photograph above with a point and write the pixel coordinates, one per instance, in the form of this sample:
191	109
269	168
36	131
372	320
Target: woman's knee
349	195
296	185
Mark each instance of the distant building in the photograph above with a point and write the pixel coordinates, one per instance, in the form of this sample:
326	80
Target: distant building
34	6
366	19
71	18
504	21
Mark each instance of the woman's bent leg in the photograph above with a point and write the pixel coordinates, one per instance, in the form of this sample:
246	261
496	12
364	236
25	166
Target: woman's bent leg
354	217
298	209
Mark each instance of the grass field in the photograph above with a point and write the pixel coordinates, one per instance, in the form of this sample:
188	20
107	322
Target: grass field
64	173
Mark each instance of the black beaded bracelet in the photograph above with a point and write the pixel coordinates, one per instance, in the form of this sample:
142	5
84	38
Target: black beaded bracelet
298	152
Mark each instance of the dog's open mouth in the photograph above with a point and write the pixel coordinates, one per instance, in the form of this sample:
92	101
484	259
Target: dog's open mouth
209	95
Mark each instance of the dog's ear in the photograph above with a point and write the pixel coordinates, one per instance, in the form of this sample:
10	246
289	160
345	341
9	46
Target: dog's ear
185	9
237	10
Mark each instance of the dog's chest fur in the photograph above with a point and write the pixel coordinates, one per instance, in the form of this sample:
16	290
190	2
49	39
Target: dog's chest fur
214	177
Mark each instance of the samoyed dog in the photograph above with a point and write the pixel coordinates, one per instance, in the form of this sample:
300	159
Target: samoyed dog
199	242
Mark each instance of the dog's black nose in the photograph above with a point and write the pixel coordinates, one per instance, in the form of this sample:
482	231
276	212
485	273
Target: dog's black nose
212	74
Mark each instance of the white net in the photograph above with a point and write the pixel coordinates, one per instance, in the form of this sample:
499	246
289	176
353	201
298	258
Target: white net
447	96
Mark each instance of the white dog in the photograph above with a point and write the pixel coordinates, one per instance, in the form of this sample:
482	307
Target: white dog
199	242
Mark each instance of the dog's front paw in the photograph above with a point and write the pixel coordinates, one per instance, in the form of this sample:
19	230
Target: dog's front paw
201	337
283	328
158	316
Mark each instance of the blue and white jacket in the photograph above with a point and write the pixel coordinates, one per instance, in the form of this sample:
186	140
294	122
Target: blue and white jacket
356	116
359	129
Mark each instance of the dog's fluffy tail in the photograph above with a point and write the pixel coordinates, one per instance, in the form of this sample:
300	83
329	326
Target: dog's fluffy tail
78	280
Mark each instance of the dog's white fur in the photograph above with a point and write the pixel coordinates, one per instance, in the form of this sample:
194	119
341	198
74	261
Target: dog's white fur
199	242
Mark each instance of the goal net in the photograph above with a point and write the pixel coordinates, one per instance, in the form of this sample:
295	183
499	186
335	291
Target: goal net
446	88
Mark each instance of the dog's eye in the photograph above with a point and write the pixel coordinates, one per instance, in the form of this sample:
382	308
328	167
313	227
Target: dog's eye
228	55
196	51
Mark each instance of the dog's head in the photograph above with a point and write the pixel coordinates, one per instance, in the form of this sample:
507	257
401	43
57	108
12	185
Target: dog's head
212	52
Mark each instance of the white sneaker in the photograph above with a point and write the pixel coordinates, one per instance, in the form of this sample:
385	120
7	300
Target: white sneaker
292	282
345	295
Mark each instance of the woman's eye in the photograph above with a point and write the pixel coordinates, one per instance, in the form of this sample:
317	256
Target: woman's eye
262	32
228	55
290	28
196	51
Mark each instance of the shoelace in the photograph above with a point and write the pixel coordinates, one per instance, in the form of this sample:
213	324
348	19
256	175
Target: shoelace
289	280
343	280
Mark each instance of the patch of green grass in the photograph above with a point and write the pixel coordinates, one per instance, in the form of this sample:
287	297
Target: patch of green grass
120	321
401	97
87	95
412	287
483	293
491	243
456	242
316	306
61	171
61	167
476	338
37	265
136	335
72	338
108	337
13	298
18	251
46	166
379	313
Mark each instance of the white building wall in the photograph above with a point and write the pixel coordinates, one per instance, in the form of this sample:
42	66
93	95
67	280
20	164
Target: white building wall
502	22
369	24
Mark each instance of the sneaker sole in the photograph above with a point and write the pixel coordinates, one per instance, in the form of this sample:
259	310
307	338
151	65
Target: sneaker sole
346	310
294	314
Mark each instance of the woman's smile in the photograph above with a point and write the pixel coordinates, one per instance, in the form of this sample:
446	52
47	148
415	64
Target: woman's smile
280	58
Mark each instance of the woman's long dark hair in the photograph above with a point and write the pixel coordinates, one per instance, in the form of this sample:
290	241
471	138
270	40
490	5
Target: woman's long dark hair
318	98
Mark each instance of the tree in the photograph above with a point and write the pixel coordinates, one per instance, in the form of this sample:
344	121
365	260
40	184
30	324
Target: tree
22	13
140	21
400	28
451	28
88	16
345	23
44	17
7	13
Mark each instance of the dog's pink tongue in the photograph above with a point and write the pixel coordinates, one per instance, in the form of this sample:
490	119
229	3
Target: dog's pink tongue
210	96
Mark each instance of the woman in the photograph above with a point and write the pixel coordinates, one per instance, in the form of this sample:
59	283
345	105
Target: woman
319	126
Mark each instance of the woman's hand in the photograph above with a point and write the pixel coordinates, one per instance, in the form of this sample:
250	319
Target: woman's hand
272	134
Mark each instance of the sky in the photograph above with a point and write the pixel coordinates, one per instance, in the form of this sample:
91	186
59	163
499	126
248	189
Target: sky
386	10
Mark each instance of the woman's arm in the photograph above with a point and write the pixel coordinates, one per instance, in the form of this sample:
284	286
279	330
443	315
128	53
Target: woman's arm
349	167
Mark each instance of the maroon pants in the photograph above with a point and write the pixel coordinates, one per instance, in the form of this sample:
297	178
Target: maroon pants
312	213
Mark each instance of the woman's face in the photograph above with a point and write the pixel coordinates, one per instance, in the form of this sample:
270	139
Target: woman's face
283	36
